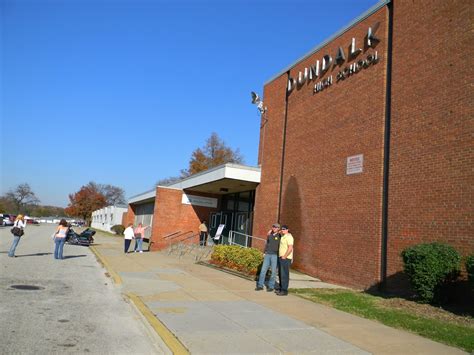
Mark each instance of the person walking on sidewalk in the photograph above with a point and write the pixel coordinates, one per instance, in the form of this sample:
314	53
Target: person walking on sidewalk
202	234
128	236
18	230
60	239
270	258
285	259
139	235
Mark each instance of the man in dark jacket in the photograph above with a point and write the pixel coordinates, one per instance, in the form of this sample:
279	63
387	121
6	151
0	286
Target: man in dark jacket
270	258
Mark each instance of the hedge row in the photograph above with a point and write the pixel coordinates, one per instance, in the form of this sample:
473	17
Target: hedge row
245	260
118	229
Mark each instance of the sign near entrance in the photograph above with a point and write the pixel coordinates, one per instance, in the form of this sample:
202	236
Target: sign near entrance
220	229
199	201
355	164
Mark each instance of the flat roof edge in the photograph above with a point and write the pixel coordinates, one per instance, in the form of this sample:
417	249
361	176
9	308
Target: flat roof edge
141	194
169	188
219	167
354	22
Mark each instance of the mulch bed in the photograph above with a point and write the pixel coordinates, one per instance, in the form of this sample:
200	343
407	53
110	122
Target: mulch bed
426	310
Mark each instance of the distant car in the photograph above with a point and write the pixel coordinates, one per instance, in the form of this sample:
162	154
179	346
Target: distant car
32	221
8	219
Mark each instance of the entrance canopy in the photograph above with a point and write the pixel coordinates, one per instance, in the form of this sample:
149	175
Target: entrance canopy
223	179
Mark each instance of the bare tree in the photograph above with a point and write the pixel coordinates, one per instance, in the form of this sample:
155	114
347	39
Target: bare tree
113	195
22	197
168	181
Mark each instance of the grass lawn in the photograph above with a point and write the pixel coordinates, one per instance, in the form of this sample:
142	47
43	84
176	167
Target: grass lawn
109	234
425	320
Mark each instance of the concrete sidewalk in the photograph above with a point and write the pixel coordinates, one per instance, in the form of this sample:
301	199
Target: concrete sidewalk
206	311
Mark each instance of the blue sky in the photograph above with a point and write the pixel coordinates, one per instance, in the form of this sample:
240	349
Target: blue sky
121	92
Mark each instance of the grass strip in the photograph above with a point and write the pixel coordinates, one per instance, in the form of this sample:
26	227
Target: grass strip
367	306
109	234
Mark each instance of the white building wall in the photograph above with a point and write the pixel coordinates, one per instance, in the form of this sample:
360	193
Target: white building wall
107	217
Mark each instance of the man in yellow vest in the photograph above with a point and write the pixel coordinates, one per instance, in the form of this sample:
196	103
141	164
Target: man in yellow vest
285	259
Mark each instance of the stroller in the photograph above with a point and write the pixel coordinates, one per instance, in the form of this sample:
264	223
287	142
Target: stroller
85	238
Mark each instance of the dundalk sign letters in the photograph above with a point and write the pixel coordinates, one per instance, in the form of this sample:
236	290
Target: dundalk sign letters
322	66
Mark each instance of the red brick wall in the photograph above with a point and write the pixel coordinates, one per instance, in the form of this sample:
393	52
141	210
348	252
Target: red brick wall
266	197
431	163
335	218
171	215
129	216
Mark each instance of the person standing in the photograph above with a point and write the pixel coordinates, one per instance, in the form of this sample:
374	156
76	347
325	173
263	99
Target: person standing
203	234
139	235
18	230
128	236
60	239
285	259
270	258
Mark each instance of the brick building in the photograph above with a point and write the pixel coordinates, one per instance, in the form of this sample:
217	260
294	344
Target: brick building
223	195
371	150
372	143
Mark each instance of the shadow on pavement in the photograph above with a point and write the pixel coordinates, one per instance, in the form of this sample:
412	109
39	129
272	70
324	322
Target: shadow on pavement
73	256
36	254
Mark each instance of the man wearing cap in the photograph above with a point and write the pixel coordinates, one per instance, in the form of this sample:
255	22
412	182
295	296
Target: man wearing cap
270	258
285	259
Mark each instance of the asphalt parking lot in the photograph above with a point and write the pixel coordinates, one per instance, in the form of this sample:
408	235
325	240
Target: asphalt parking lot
70	305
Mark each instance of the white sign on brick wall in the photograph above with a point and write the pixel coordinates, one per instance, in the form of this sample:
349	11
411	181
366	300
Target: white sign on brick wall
355	164
199	201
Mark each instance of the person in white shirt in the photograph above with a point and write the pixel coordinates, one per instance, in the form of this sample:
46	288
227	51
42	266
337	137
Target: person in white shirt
17	231
128	236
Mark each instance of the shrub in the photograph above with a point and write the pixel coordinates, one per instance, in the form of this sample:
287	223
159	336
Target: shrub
235	257
470	267
118	229
429	267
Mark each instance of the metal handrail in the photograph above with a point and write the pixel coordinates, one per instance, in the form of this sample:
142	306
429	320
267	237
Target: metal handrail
177	244
190	237
180	235
248	237
183	247
169	235
190	248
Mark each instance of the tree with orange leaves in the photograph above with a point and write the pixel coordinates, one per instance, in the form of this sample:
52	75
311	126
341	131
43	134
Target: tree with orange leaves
214	153
85	201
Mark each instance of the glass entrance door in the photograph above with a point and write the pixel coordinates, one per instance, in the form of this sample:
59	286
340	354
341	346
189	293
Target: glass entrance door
242	227
218	218
214	221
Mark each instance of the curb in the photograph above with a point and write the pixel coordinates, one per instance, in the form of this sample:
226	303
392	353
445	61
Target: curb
166	335
229	271
171	341
115	277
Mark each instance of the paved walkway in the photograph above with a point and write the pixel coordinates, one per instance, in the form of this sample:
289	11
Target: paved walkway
199	309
